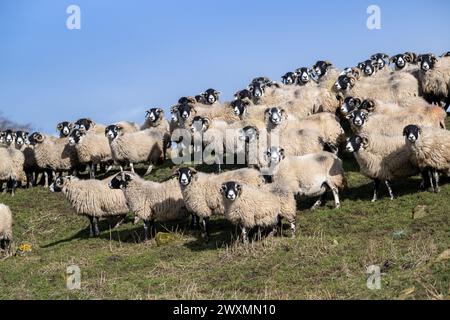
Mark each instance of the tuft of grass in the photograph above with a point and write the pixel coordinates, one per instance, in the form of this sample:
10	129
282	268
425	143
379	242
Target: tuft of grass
327	259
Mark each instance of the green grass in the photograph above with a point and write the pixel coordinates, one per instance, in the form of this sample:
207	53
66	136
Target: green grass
326	260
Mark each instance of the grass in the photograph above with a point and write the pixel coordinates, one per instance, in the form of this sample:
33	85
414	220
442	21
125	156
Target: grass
327	259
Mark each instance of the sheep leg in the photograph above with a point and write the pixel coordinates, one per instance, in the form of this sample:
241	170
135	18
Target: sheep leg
136	220
430	176
436	180
132	167
109	168
152	228
194	221
293	229
205	233
121	219
244	234
149	170
279	227
146	223
96	230
376	187
388	186
259	234
91	227
319	202
92	171
45	179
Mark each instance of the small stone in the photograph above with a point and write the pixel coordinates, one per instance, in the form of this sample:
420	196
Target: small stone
420	211
163	238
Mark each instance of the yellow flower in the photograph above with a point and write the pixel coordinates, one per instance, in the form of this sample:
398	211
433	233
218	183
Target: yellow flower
25	247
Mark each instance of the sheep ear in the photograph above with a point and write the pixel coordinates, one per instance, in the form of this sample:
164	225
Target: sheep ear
218	93
357	101
340	97
239	189
193	171
223	189
282	155
433	58
364	141
128	177
352	81
59	126
206	122
420	58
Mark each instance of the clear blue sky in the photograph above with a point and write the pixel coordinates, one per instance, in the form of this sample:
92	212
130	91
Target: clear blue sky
131	55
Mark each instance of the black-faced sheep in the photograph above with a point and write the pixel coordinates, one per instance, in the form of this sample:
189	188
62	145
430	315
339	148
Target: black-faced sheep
434	78
93	199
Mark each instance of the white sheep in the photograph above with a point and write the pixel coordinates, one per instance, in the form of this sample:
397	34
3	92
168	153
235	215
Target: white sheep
92	149
6	231
145	146
150	200
382	159
309	175
201	191
93	199
250	206
434	78
430	148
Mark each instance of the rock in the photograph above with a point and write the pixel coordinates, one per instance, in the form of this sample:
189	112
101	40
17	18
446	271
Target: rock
420	211
405	294
164	238
443	256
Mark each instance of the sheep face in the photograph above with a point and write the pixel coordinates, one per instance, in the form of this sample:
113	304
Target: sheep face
304	75
184	111
399	60
59	183
427	61
249	134
210	96
354	144
9	136
380	59
274	155
344	83
64	128
231	190
84	124
76	137
112	131
243	94
186	100
369	67
199	124
120	181
275	115
154	114
358	117
21	138
239	107
349	105
256	89
411	132
289	78
185	175
321	68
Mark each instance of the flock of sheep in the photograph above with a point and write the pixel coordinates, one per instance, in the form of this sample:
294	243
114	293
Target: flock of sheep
289	135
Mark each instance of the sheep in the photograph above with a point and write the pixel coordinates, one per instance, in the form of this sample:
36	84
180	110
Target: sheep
289	78
154	118
309	175
54	154
209	97
92	149
414	105
325	73
6	231
150	200
381	59
250	206
392	88
389	125
434	78
325	124
201	191
93	199
64	129
382	159
87	124
430	149
145	146
12	161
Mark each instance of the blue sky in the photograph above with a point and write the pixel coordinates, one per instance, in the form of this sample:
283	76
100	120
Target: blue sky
132	55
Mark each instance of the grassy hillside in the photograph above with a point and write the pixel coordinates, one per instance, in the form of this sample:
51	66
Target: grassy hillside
327	259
